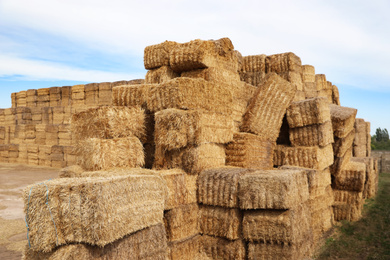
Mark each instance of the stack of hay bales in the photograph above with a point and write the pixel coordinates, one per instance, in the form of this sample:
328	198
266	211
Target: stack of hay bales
21	99
66	96
31	98
55	96
362	140
43	97
78	96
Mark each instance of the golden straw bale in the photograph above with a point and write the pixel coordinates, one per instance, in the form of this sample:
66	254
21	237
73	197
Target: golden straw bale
324	197
199	54
273	189
250	151
347	211
295	78
283	62
321	82
309	157
182	222
371	176
335	95
342	145
13	100
308	73
160	75
254	63
221	248
109	122
220	222
327	93
131	95
322	221
185	249
299	96
350	197
276	226
312	135
219	186
157	55
343	120
100	154
341	163
91	210
351	178
254	78
213	75
264	251
149	243
308	112
264	115
176	128
360	151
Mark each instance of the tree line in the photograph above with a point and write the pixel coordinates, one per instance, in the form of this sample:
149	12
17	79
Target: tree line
380	141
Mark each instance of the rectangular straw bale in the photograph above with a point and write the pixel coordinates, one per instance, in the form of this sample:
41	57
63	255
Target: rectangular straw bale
221	248
309	157
160	75
360	132
213	75
321	82
13	99
265	251
253	78
371	176
149	243
97	211
176	128
347	211
182	222
351	178
283	62
273	189
322	221
254	63
264	115
342	145
295	78
308	112
178	193
250	151
327	93
108	122
43	94
105	93
276	226
30	131
131	95
308	73
21	99
340	163
312	135
343	120
335	95
350	197
299	96
185	249
199	54
324	197
360	151
220	222
157	55
100	154
219	186
92	94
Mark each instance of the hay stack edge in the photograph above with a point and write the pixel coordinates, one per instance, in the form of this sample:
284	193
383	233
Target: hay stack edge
212	156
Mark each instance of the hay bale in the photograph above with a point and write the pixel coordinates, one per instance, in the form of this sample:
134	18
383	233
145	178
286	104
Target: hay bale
335	95
254	63
264	115
157	55
220	222
312	135
100	154
176	128
308	73
342	145
346	211
313	157
149	243
220	248
341	163
283	62
343	120
360	151
213	75
302	250
273	189
97	211
160	75
109	122
199	54
250	151
351	178
321	82
322	222
185	249
219	186
21	98
349	197
182	222
308	112
360	132
277	226
131	95
51	134
371	176
253	78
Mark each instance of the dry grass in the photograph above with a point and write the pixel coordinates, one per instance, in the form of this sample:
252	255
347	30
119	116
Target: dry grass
157	55
312	135
308	112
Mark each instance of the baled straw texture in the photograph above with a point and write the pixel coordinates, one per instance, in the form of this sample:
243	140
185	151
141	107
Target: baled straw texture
312	135
131	95
97	211
264	115
308	157
343	120
185	249
335	95
160	75
149	243
265	251
283	62
349	197
182	222
213	75
273	189
340	163
250	151
176	128
368	133
253	63
219	186
308	112
101	154
109	122
220	222
351	178
277	226
322	221
157	55
253	78
360	150
308	73
346	211
321	81
199	54
371	176
360	132
220	248
342	145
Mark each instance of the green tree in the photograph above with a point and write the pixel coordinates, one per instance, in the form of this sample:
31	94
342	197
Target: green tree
382	135
380	141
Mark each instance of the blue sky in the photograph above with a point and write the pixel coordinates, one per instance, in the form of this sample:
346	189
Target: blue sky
45	43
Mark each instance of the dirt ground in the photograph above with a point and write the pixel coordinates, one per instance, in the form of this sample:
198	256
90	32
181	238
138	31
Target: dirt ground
13	179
